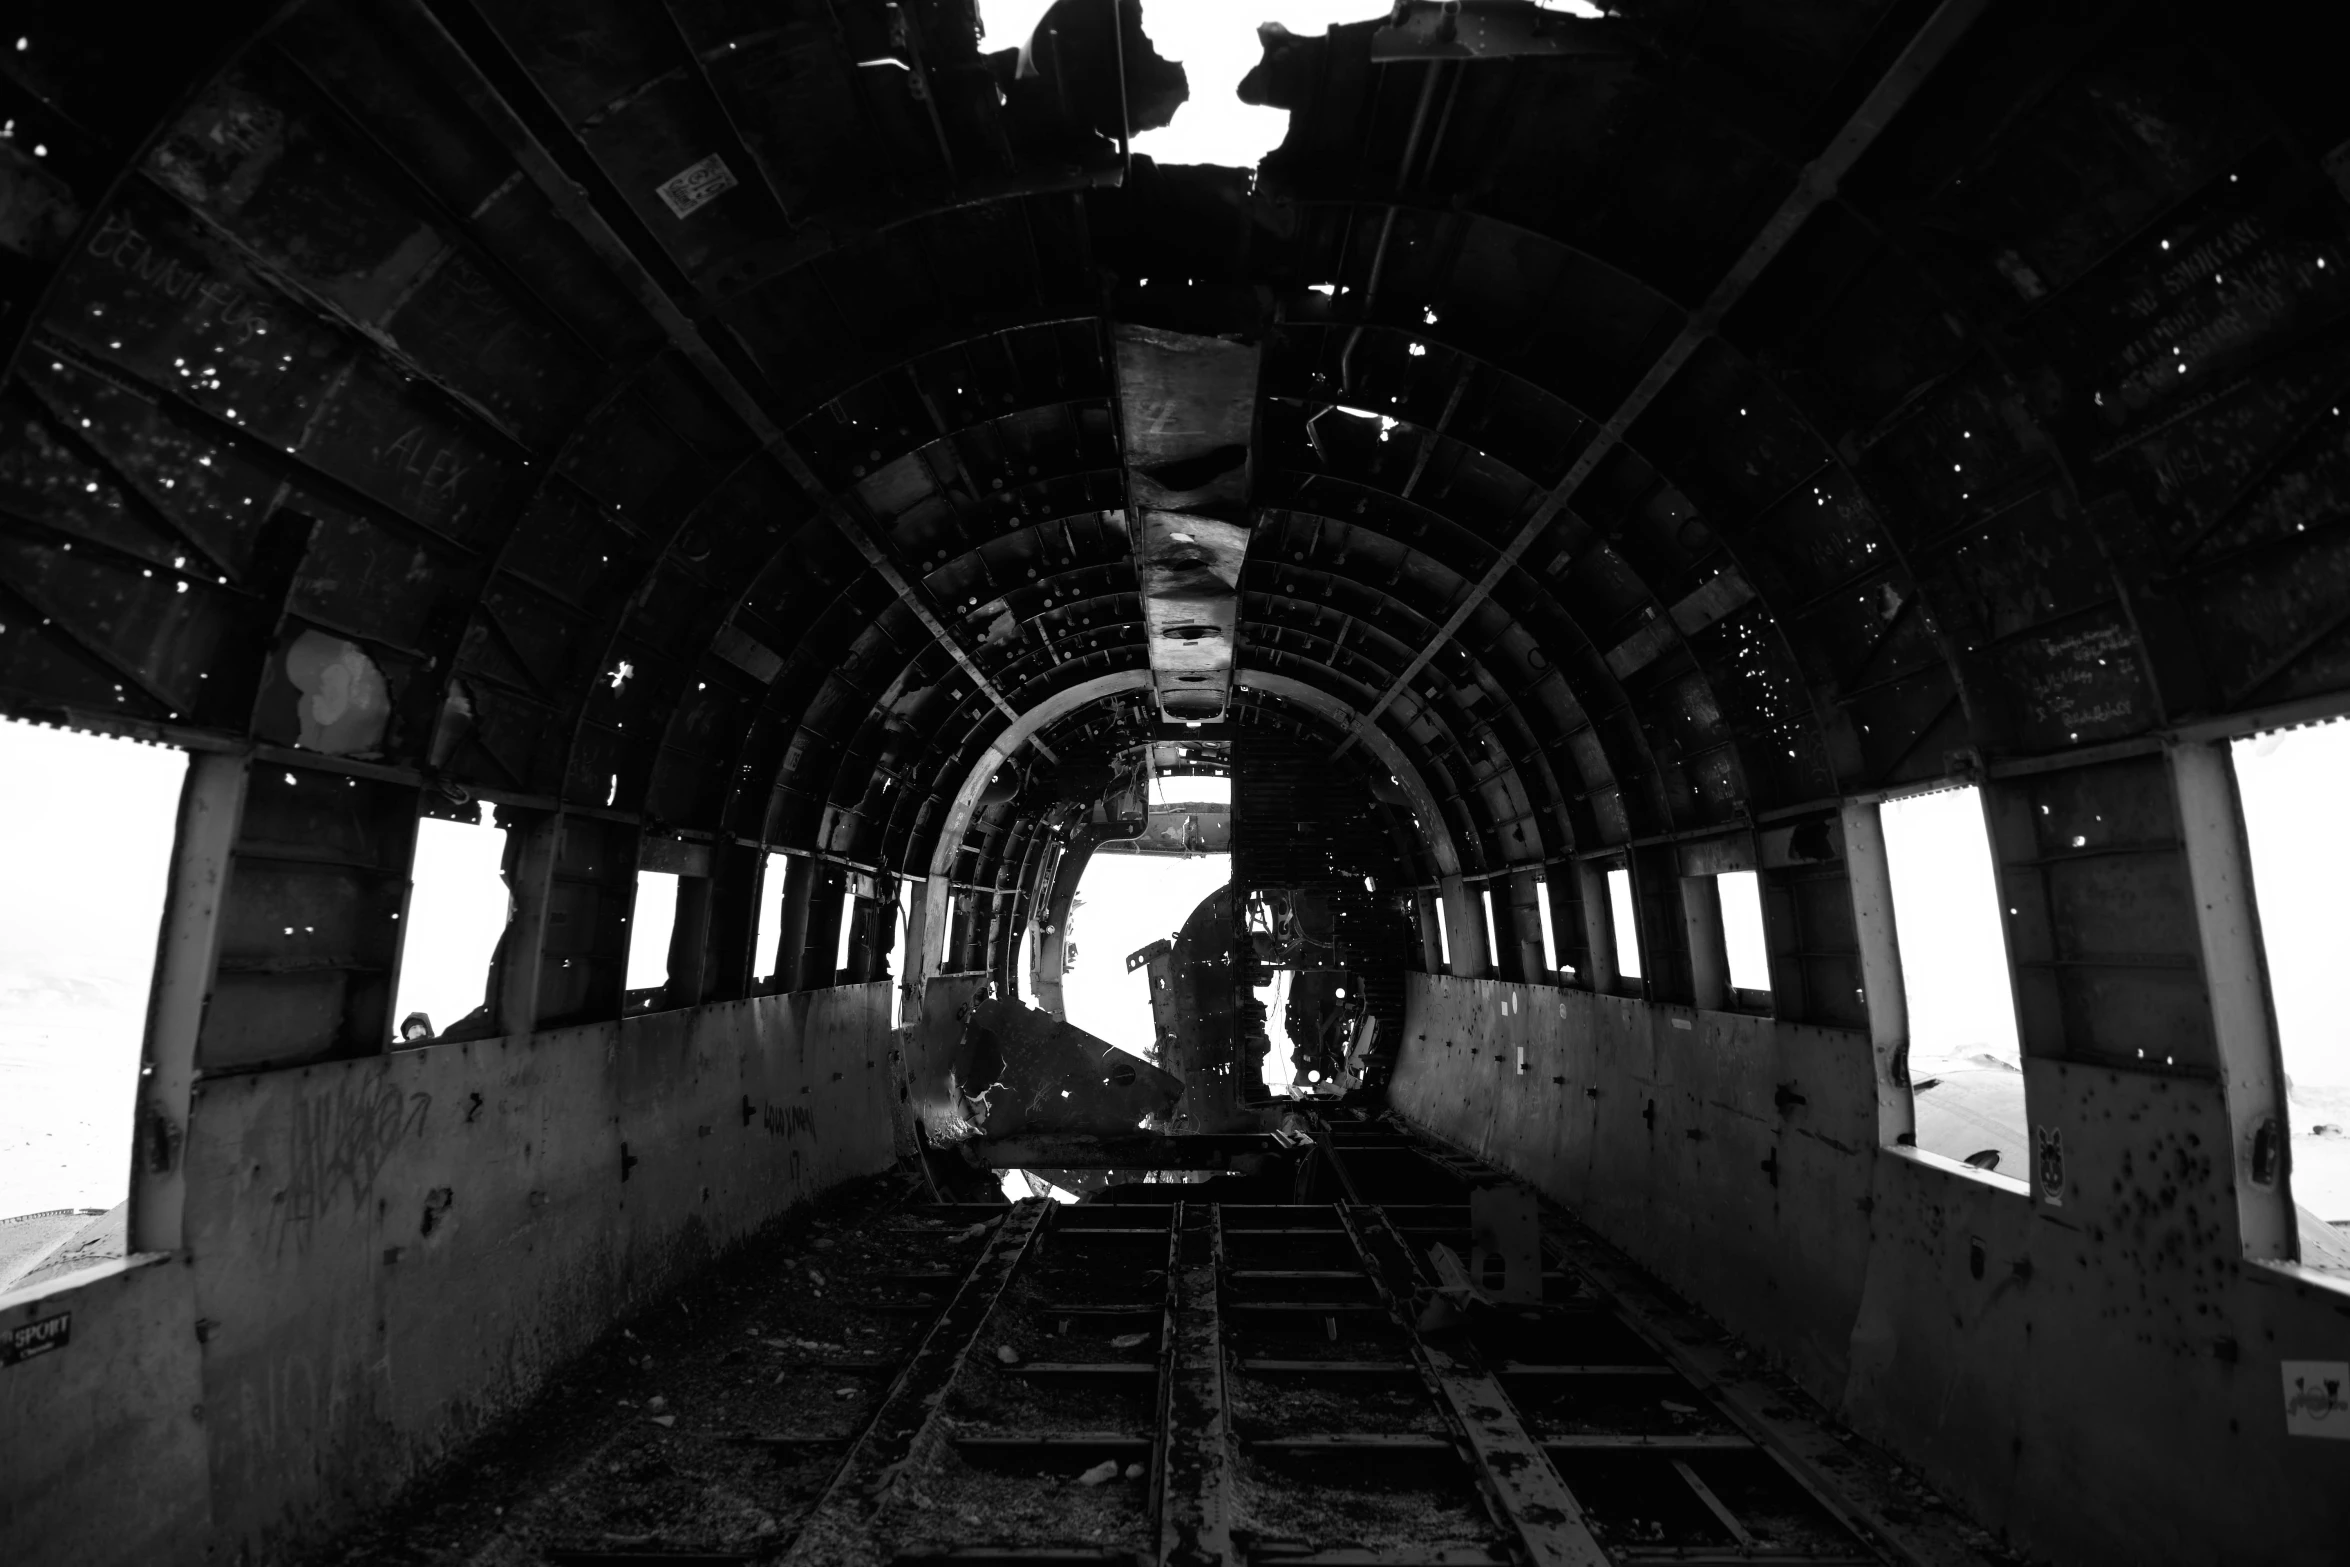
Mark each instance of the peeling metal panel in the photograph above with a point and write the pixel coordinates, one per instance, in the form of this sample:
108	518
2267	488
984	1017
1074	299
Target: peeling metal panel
1030	1072
1186	404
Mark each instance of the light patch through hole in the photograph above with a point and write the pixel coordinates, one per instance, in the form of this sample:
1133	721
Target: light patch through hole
1742	929
1125	902
1215	41
649	929
764	962
1627	925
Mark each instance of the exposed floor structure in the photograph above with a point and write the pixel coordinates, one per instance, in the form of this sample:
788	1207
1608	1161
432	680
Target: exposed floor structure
882	1378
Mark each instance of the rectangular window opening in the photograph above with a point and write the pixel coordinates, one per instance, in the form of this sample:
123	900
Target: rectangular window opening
2291	785
1550	940
1619	903
1443	934
86	850
1492	945
848	926
767	960
458	906
1742	930
649	930
1965	1067
1169	790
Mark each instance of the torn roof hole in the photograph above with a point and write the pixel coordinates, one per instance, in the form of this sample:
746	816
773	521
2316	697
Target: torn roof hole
1217	45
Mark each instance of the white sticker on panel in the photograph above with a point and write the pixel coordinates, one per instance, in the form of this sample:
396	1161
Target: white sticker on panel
2317	1398
696	185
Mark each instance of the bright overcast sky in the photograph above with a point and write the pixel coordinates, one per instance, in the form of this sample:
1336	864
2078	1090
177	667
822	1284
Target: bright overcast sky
1946	911
1131	900
2292	788
86	826
1216	43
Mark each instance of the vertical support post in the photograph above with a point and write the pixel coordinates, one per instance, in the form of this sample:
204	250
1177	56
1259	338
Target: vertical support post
1525	913
1044	950
820	958
1052	942
870	942
187	950
1563	890
2235	977
689	942
791	946
1599	928
1869	871
1709	953
732	919
1656	923
922	938
1433	958
1464	914
955	948
534	840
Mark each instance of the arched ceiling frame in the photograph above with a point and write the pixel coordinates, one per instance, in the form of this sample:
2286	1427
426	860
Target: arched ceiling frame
1925	656
659	472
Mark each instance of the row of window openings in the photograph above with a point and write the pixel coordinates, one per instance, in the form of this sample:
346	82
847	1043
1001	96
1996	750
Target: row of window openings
458	906
1965	1057
1742	929
1964	1054
1966	1065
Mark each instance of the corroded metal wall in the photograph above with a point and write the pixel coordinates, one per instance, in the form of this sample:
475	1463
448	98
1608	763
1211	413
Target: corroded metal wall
2100	1379
384	1254
104	1436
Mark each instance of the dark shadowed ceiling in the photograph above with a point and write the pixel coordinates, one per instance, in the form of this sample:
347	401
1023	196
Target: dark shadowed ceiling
1661	424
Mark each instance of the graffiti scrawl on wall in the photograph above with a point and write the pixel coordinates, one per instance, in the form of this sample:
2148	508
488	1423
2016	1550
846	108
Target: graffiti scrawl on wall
791	1122
337	1140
